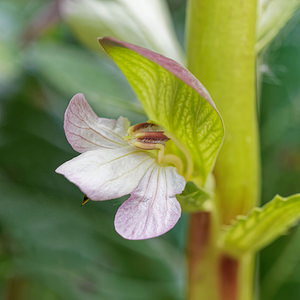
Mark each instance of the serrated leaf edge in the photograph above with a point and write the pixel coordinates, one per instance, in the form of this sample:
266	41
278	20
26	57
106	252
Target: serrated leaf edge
255	215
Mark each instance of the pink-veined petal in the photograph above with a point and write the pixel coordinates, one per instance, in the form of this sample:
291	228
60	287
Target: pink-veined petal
107	173
85	131
152	208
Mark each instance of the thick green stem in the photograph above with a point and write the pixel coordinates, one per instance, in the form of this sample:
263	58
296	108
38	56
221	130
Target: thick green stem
201	257
220	45
221	54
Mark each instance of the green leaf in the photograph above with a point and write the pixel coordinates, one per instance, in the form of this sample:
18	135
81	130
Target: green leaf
262	226
70	70
284	269
193	199
279	263
273	16
175	99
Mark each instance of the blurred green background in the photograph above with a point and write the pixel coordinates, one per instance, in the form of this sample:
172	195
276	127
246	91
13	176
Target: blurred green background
53	249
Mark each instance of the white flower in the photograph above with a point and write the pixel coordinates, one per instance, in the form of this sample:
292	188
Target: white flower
110	167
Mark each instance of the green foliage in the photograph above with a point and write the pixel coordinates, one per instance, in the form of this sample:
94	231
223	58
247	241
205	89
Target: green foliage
54	244
280	278
144	23
193	198
273	16
50	247
280	144
9	47
190	119
262	226
69	70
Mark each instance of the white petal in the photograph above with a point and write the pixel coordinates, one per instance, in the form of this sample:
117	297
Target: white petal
107	173
152	208
85	131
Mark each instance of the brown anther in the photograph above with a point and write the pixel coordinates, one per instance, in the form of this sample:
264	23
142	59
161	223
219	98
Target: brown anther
144	127
152	137
147	136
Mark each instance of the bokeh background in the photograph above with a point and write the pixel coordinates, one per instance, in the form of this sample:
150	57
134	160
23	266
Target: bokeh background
51	248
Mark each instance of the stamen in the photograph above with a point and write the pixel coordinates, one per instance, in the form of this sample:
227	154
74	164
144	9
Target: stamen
147	136
144	127
154	136
189	161
174	160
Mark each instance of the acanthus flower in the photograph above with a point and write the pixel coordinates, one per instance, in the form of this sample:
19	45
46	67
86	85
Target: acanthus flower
117	160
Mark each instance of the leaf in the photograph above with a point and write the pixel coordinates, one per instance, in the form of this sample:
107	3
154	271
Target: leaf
262	226
283	267
10	67
279	263
193	199
145	23
273	16
71	70
173	98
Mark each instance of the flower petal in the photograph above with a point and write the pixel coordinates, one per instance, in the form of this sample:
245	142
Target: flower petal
107	174
152	208
85	131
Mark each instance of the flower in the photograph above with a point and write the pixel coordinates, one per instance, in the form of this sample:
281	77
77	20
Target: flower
113	164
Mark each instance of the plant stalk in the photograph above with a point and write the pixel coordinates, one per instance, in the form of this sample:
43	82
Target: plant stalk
201	258
221	54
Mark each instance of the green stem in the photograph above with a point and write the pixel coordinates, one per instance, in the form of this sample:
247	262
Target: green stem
221	54
201	258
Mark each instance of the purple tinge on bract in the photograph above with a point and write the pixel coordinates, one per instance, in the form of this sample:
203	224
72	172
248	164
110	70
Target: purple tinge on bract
170	65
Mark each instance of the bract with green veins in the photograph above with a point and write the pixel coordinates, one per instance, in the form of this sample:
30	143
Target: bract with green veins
152	160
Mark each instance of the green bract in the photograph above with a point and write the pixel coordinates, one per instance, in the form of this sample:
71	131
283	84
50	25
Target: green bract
173	98
194	199
262	225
